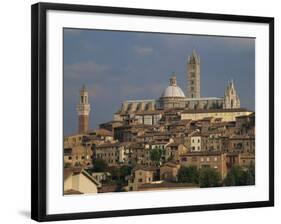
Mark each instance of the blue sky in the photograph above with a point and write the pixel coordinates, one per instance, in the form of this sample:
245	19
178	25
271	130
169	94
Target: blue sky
117	66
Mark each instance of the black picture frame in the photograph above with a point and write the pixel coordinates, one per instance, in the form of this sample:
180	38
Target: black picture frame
39	108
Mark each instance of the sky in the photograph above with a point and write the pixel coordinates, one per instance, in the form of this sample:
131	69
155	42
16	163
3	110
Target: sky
116	66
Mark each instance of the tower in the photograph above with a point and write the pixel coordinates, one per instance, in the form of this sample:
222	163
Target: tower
231	99
83	110
193	76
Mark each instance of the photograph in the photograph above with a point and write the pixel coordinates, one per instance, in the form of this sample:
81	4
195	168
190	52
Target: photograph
152	111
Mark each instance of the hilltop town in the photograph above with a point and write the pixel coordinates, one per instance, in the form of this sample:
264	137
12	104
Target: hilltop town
177	141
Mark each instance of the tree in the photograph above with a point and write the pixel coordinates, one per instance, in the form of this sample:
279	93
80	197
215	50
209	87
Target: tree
99	165
156	155
125	171
237	176
251	174
188	174
209	177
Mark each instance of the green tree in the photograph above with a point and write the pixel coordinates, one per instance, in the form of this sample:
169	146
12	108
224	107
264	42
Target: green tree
209	177
251	174
99	165
188	174
125	171
156	155
236	177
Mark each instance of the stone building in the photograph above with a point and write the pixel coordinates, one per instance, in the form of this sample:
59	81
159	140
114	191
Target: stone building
78	156
149	111
169	171
79	181
141	175
215	160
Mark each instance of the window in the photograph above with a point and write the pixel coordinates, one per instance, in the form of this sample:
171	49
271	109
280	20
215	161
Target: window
215	158
215	167
69	157
82	157
184	159
208	159
202	159
140	180
198	140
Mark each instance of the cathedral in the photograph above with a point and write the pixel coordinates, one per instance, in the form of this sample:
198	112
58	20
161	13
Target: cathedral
174	98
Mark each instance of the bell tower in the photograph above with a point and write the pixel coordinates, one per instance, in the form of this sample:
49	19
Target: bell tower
193	76
83	110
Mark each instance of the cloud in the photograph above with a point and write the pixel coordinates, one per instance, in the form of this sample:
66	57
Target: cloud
143	50
84	68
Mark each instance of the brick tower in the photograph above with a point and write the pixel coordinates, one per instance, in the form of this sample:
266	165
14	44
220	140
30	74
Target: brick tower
83	110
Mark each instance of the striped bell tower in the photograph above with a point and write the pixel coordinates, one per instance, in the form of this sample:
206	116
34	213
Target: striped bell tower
83	110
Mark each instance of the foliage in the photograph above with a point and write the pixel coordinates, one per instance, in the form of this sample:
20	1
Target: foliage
209	177
99	165
237	176
188	174
156	155
125	171
118	174
251	174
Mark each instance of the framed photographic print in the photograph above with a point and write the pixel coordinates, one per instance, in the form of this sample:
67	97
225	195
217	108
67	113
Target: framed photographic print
139	111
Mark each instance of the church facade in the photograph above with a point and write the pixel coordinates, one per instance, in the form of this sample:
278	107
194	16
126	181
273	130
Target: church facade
174	98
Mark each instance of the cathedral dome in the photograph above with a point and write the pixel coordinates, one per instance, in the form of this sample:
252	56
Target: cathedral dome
173	90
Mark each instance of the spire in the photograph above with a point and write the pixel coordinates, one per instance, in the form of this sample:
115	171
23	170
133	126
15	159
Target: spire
194	53
83	89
